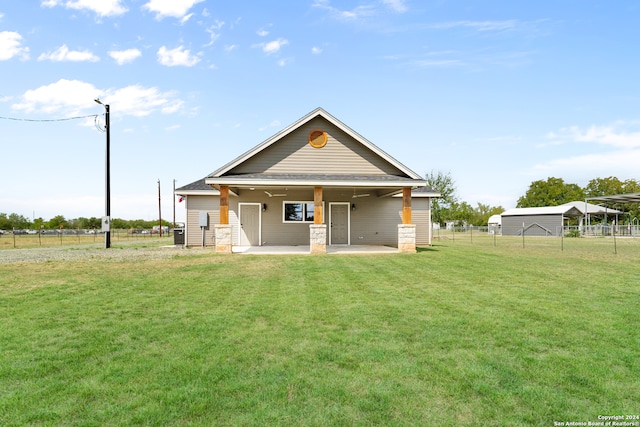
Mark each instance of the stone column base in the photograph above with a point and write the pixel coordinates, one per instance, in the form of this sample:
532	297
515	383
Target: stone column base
223	238
318	238
407	238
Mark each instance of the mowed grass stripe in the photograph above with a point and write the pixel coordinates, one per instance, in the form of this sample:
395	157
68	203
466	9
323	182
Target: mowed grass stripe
453	335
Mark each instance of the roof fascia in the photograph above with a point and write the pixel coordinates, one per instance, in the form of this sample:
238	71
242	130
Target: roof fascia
306	182
212	192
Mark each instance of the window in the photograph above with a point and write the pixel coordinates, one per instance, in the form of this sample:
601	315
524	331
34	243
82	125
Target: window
298	211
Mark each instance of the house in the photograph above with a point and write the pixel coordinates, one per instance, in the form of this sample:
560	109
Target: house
548	220
317	183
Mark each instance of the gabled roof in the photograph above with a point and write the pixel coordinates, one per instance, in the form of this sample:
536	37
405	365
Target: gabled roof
196	188
410	177
545	210
593	209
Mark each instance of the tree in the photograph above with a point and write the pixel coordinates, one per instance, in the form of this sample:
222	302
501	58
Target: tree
484	212
57	221
441	207
463	213
604	187
18	222
552	192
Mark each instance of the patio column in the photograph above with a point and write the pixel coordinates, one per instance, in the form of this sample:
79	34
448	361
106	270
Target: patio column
224	204
317	205
406	230
223	230
406	205
317	230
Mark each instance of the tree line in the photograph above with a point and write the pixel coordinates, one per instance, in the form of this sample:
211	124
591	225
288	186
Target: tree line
19	222
550	192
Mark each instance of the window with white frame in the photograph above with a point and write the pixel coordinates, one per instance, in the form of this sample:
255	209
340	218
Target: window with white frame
298	211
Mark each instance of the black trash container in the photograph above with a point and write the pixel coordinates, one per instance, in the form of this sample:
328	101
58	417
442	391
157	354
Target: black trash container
178	236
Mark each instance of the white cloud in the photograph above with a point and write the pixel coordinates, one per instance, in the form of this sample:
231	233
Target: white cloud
437	63
70	97
213	32
185	18
176	57
10	46
604	135
316	50
125	56
618	153
142	101
230	47
100	7
173	8
478	25
620	163
396	5
273	124
273	46
74	97
63	54
263	32
284	61
348	15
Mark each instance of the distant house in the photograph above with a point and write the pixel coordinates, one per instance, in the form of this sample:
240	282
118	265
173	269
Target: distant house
548	220
317	182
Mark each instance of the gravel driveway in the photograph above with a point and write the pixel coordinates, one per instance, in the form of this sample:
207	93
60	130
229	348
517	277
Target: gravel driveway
89	252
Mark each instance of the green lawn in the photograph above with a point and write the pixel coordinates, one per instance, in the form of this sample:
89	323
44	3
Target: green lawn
463	333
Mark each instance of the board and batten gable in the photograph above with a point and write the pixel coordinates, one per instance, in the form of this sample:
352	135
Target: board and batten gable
293	154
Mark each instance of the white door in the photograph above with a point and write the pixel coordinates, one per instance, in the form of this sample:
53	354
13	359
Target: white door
249	224
339	223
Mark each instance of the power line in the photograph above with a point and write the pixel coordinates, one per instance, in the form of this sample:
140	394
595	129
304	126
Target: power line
95	116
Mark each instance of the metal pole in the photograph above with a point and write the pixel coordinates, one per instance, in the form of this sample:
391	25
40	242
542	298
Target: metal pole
174	206
107	234
159	210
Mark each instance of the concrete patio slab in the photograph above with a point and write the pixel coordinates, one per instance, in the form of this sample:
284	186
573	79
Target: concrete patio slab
305	250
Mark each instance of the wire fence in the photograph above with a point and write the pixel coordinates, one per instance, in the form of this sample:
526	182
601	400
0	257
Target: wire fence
44	238
601	238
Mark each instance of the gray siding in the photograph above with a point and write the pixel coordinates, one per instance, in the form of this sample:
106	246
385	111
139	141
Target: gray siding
293	154
374	221
535	225
421	215
195	205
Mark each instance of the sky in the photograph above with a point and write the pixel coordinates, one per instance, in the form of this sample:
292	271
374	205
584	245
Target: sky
497	94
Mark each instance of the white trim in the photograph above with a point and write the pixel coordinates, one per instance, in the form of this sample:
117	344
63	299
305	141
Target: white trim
348	220
311	183
240	204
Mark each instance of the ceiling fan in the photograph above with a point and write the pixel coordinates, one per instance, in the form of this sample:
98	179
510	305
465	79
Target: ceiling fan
274	195
355	196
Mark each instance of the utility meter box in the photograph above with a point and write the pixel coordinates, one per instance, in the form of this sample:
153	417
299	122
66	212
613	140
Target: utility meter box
106	224
203	219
